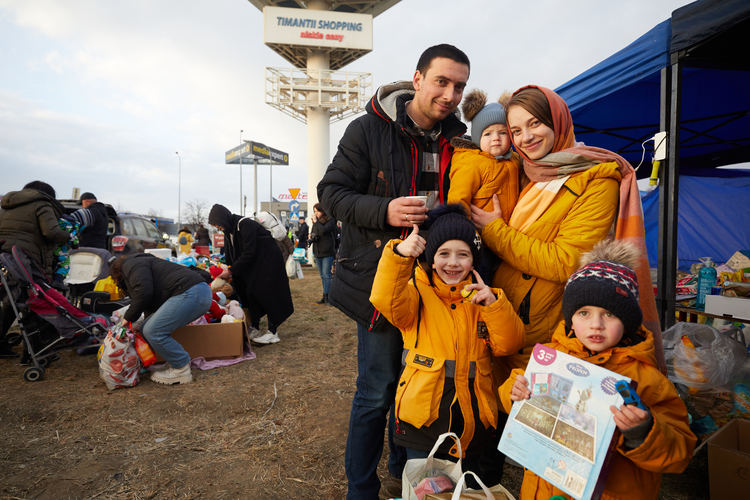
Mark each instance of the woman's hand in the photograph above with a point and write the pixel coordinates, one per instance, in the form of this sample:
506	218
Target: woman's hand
520	390
413	245
226	274
484	295
480	218
628	416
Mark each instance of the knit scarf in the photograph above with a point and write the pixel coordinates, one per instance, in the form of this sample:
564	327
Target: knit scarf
549	174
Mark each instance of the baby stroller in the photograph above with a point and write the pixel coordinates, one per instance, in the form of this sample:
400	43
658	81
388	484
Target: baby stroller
87	266
47	321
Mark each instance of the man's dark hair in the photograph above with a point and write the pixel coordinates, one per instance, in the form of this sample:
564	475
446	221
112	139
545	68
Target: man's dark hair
443	50
42	187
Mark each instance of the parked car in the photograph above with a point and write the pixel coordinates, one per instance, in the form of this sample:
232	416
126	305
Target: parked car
128	232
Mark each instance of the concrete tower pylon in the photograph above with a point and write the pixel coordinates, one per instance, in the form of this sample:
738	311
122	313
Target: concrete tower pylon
318	37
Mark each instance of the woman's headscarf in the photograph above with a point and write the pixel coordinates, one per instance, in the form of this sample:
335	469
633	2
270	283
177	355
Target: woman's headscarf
568	157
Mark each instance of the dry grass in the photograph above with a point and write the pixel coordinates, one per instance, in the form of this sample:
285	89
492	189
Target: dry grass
274	427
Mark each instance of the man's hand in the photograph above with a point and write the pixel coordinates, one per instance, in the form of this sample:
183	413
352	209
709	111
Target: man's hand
413	245
480	218
403	212
484	295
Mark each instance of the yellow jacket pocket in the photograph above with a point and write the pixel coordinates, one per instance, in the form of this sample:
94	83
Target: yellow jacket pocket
420	389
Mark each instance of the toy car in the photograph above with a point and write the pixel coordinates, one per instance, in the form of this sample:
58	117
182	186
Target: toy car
629	395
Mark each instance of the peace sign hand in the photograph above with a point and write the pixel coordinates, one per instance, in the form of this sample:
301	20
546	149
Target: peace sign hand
413	245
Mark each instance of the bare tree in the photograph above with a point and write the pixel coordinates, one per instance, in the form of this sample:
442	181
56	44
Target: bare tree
195	212
153	213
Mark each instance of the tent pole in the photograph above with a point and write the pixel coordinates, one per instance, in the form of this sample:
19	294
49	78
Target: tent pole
670	114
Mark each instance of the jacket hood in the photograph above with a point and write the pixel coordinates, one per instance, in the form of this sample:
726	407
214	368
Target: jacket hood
386	98
642	352
17	198
221	216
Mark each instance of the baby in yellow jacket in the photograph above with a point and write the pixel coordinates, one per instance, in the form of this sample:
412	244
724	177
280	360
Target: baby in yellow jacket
603	326
484	166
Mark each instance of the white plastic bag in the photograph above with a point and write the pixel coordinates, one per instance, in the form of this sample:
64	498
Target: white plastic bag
417	469
293	269
272	224
702	358
119	365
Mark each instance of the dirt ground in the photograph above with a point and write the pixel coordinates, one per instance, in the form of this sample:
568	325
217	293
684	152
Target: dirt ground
273	427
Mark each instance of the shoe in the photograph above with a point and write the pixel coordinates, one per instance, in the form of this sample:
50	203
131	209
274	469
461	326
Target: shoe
267	338
173	375
323	300
253	333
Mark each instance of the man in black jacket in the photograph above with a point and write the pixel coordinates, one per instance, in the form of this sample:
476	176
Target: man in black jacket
399	148
95	232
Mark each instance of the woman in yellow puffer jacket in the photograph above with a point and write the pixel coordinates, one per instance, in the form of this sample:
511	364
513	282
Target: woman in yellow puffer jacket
446	382
571	196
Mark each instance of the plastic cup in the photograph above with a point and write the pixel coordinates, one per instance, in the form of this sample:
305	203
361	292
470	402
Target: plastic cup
423	199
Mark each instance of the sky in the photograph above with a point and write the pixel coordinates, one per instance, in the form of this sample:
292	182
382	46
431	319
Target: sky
101	94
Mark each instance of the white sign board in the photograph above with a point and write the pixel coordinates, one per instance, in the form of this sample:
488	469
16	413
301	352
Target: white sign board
317	28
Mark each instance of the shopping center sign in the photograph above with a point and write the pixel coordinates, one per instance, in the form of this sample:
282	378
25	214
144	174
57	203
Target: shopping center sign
255	152
317	28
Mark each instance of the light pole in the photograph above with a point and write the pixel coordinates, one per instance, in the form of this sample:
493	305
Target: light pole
242	210
179	187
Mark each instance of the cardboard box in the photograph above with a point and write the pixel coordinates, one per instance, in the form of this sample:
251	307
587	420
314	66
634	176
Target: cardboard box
212	341
737	307
729	460
162	253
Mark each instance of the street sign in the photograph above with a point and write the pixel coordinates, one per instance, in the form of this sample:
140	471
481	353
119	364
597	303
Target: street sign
293	206
294	192
294	217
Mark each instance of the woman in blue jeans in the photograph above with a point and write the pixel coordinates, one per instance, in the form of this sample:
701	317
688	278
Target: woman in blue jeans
323	238
170	296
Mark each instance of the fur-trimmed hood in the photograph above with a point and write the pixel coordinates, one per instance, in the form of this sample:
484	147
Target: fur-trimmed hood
461	141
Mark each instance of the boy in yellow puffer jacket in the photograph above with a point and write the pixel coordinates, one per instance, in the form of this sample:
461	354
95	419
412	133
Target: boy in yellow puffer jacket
446	382
484	166
603	325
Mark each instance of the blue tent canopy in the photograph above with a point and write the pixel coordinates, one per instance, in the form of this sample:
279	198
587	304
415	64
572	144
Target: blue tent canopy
689	77
616	104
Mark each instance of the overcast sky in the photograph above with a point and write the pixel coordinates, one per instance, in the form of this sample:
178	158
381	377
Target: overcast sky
99	94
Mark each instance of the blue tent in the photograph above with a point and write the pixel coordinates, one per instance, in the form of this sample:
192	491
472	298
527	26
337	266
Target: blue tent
689	77
713	217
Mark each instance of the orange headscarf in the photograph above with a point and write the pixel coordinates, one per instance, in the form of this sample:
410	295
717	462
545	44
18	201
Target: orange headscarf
567	157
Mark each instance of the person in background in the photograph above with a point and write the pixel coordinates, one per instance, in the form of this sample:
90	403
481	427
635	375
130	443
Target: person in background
302	232
29	221
257	270
185	240
323	239
398	148
94	231
202	237
602	324
170	296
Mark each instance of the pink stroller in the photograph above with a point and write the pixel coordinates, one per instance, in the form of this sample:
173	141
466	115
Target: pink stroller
47	321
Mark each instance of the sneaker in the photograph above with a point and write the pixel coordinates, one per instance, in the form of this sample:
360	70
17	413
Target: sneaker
253	333
267	338
173	375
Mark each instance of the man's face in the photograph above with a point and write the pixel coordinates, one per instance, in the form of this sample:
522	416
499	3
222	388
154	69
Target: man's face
87	203
438	91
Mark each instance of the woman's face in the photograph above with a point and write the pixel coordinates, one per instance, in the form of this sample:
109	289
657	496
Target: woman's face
530	135
318	213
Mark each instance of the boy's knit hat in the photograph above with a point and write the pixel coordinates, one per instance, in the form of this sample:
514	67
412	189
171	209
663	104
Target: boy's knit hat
481	115
450	222
607	280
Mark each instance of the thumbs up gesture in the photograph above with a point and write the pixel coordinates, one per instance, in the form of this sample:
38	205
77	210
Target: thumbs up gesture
413	245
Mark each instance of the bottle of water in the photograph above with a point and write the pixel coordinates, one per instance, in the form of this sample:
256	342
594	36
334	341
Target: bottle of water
706	280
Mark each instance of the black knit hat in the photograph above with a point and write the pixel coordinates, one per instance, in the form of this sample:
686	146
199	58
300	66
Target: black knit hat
87	196
450	222
606	280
